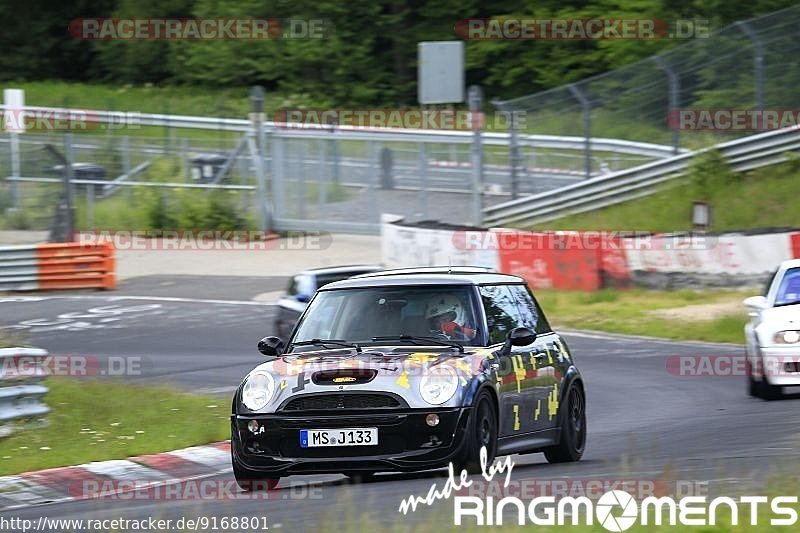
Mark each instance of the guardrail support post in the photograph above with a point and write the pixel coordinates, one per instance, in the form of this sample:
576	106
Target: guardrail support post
475	100
758	65
674	95
586	111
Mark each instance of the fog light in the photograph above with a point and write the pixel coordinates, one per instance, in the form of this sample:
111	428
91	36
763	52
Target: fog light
253	426
432	420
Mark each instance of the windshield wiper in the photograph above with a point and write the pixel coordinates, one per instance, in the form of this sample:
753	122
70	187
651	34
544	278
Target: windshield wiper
323	342
420	341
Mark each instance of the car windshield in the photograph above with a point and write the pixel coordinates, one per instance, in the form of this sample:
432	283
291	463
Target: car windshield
789	289
362	315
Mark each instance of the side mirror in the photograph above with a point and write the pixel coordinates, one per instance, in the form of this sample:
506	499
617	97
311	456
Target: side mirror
303	298
521	337
271	346
758	303
517	337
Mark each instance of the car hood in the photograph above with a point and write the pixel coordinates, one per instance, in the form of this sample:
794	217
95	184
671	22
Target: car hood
383	360
783	317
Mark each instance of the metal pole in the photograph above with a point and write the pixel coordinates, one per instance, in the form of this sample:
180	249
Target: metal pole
423	178
586	111
69	225
257	118
475	100
277	173
322	195
15	169
674	96
513	153
758	64
90	206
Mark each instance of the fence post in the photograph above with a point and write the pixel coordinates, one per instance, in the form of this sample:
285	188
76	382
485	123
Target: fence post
422	161
257	117
758	65
674	103
69	219
586	111
15	168
475	100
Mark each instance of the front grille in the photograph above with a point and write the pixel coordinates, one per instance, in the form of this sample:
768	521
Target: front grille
325	402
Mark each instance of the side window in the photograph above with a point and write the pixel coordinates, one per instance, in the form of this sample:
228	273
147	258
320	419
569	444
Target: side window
502	312
531	315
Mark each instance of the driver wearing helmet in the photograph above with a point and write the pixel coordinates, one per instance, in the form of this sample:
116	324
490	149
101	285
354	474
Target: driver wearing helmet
446	315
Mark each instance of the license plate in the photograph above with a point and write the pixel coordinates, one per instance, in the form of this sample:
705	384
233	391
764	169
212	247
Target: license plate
313	438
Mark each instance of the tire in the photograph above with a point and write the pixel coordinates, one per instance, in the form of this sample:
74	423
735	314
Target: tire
761	388
251	481
753	386
572	443
481	431
770	392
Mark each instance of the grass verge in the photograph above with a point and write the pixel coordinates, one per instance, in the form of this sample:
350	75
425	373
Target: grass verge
714	316
102	420
758	199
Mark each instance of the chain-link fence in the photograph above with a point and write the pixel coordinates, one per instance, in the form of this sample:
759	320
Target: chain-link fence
750	65
200	180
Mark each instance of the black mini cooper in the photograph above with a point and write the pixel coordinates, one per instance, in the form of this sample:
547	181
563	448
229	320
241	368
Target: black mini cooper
409	370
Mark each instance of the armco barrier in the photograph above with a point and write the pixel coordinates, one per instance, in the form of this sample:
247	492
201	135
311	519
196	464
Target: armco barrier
57	266
21	391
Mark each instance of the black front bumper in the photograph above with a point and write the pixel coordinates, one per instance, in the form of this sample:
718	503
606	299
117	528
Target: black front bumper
405	442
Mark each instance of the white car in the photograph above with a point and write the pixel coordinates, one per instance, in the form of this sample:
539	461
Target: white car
773	334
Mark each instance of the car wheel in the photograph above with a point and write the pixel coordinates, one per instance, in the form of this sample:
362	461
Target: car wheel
573	430
251	481
753	386
770	392
481	431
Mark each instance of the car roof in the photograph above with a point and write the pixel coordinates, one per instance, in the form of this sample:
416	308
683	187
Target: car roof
790	263
342	269
426	276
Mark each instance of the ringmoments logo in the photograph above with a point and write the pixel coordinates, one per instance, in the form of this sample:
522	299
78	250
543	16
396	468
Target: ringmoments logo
615	509
618	510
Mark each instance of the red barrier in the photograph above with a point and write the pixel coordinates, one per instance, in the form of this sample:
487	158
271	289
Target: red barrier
795	245
548	260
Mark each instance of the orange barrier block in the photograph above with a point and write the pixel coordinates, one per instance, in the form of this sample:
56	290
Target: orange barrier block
76	266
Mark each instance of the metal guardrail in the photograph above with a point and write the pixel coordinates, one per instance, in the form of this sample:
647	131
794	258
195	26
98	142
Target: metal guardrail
745	154
346	133
21	391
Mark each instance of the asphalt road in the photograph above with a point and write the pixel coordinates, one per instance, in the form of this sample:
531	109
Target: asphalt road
644	422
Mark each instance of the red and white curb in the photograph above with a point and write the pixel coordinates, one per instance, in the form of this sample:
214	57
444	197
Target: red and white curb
113	477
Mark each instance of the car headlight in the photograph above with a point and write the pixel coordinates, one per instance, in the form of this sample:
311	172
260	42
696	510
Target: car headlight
258	390
787	337
438	385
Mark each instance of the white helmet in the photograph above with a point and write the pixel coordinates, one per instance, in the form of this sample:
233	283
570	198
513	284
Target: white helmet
445	303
